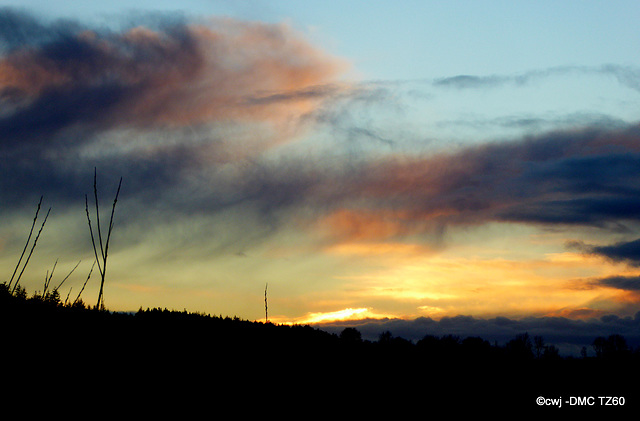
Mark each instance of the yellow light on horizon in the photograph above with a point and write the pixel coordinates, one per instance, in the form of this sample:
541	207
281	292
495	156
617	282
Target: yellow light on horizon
331	316
346	314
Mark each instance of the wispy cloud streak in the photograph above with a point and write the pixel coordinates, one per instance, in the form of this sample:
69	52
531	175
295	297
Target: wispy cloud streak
627	75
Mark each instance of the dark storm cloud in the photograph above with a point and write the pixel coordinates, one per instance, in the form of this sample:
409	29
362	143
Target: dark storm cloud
628	252
150	102
170	73
19	28
593	211
76	74
626	283
622	252
61	83
581	177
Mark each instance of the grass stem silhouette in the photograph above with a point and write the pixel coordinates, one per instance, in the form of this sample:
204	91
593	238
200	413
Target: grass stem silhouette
33	246
24	250
66	277
101	258
266	308
47	279
85	283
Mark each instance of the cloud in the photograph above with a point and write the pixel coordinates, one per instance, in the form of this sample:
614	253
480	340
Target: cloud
170	104
154	102
364	225
584	178
175	74
626	283
56	77
538	123
469	81
570	335
626	75
622	252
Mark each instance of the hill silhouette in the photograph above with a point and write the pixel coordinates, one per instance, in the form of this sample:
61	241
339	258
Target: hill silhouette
159	350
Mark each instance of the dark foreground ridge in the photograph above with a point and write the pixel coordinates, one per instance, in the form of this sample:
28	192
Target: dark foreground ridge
177	353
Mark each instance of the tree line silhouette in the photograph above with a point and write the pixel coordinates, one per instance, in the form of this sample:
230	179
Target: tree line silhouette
23	311
158	346
31	314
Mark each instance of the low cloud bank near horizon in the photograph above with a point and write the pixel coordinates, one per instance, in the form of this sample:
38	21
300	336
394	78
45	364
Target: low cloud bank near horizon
569	335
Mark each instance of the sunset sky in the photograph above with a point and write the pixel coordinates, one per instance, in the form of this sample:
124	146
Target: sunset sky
417	162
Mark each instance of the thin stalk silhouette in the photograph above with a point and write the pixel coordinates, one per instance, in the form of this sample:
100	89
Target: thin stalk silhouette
24	250
66	277
47	279
103	246
33	246
85	282
266	308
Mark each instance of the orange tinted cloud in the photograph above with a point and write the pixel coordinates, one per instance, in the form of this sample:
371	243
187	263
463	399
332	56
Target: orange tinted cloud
353	225
577	313
239	63
364	225
180	75
571	178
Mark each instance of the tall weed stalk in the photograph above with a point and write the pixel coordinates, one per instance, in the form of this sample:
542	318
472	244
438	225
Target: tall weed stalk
101	249
33	246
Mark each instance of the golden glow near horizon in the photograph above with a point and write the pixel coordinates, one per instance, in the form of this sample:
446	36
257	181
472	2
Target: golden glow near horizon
345	314
251	155
420	281
349	280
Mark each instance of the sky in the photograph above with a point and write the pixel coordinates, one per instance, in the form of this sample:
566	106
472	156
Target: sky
424	166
